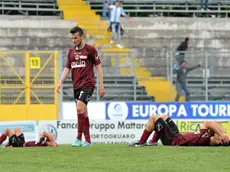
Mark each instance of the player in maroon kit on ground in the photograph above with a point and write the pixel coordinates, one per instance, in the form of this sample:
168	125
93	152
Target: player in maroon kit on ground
210	134
17	139
81	61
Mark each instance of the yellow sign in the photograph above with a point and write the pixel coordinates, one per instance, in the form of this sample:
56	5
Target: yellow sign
193	126
35	63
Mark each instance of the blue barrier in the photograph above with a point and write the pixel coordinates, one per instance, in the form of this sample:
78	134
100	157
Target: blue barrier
187	110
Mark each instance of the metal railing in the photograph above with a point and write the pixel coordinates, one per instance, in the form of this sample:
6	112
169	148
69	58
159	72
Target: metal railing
210	81
137	76
29	8
143	8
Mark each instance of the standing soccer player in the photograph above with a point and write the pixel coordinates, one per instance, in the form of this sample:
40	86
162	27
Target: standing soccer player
81	60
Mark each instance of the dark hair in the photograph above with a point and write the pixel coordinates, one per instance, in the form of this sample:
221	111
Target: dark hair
186	39
76	29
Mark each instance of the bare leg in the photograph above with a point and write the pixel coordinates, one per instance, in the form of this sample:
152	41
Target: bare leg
18	131
8	132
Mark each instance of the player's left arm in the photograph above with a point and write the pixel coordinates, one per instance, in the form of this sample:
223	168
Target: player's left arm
97	62
101	81
194	67
124	14
48	136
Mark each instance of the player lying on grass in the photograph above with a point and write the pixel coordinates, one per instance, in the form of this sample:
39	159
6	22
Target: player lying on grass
210	134
17	139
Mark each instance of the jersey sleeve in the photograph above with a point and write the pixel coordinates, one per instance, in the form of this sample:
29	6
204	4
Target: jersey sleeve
68	62
123	12
95	56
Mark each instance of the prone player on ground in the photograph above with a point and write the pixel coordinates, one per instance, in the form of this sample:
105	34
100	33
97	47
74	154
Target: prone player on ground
17	139
210	134
46	139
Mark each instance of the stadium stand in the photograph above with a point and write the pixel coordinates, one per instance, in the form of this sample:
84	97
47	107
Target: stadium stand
147	53
157	39
41	32
29	7
96	31
144	8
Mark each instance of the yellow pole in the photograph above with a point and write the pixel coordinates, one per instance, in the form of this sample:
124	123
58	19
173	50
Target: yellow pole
56	80
0	83
1	66
27	76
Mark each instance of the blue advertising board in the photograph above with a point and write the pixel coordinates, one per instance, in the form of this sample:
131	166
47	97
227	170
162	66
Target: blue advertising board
186	110
28	128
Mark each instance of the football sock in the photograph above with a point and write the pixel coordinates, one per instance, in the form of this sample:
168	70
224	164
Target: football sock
86	130
145	136
2	138
80	126
155	137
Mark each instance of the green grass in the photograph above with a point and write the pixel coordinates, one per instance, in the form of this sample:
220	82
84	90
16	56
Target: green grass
116	158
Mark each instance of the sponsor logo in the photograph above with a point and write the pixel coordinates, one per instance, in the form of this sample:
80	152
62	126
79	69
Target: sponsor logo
117	111
49	128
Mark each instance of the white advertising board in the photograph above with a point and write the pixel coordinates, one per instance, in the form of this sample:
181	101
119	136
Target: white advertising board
96	110
102	131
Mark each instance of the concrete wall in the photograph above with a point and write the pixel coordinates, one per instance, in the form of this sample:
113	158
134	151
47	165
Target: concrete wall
169	32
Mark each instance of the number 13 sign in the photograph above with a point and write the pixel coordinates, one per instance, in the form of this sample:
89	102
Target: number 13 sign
35	62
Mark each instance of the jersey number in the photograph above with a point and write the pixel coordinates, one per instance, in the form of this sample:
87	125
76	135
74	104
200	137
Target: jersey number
82	92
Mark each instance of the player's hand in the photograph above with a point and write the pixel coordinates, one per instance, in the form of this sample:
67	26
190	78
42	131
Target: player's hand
224	138
129	21
101	91
59	88
42	139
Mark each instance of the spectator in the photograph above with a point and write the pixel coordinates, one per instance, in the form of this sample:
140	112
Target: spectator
181	50
116	12
182	71
105	10
204	4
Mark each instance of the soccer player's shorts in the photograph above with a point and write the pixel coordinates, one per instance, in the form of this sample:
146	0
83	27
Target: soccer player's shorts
172	125
17	141
165	132
84	94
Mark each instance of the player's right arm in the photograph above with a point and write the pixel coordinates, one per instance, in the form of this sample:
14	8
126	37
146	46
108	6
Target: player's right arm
107	5
65	73
48	137
216	128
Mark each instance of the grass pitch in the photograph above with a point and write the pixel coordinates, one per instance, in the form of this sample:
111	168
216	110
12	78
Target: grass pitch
115	158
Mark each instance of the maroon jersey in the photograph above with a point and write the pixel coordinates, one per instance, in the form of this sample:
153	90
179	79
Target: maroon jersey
34	144
81	62
201	138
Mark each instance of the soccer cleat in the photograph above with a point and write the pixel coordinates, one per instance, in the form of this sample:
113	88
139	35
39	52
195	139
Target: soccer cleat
137	144
86	144
77	143
150	143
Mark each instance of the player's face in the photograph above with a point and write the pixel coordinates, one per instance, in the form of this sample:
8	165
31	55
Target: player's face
117	4
215	140
76	39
